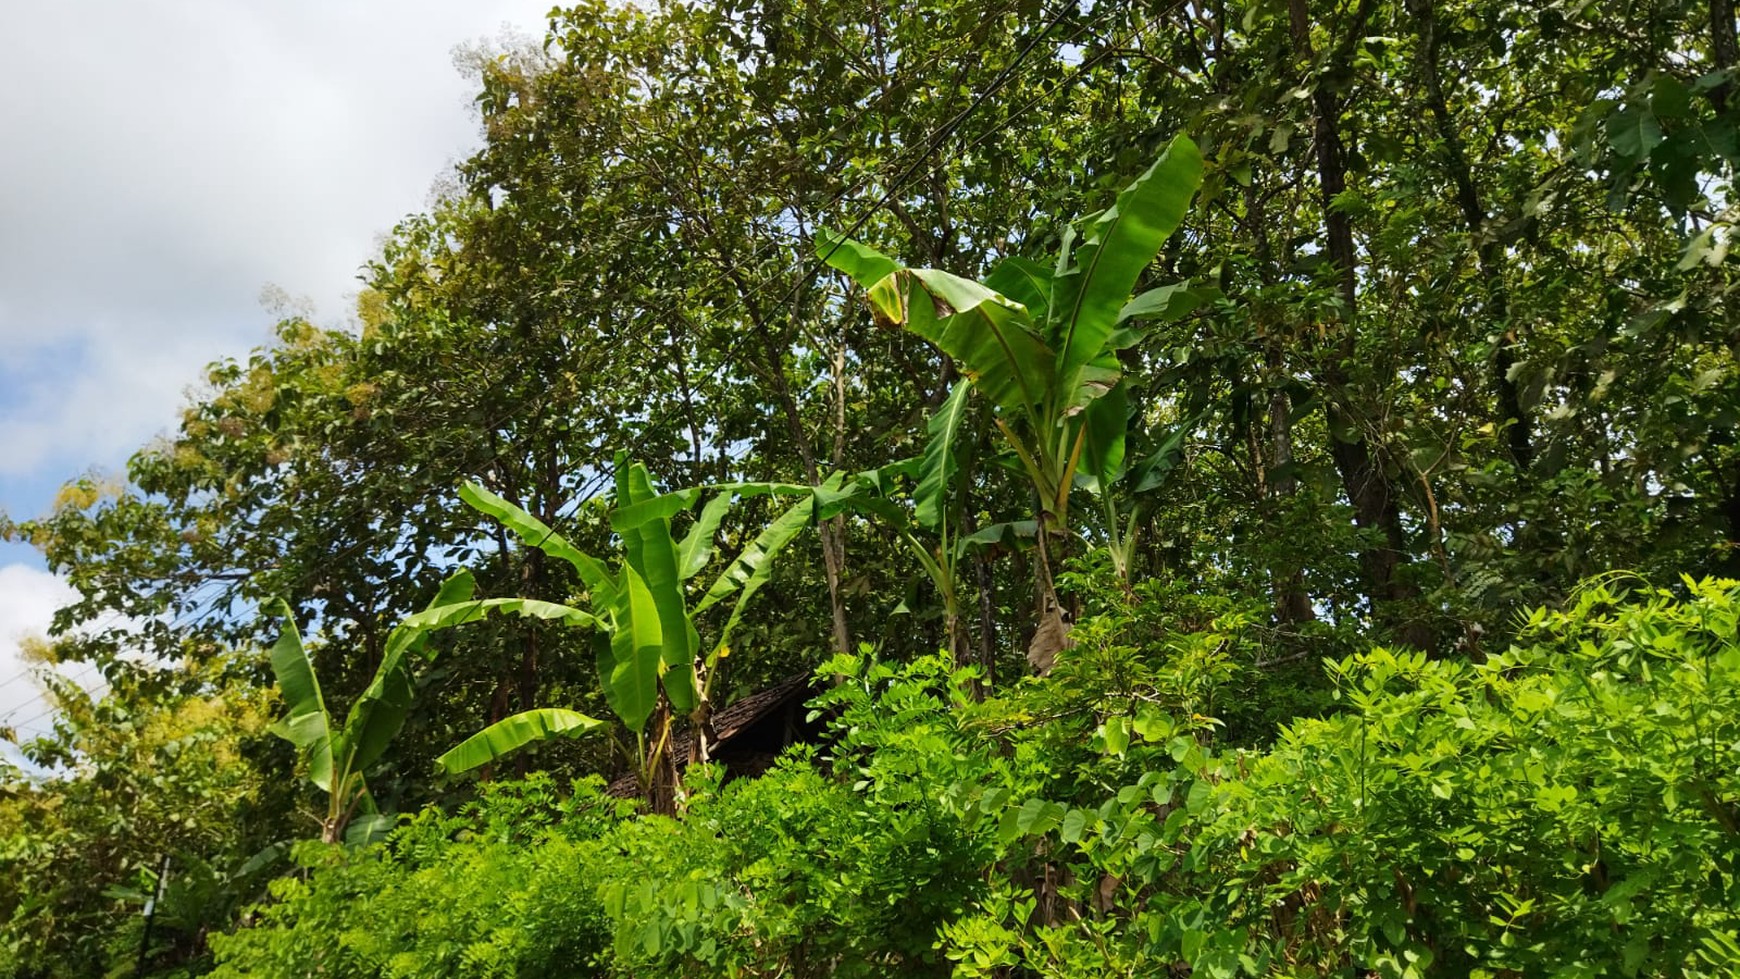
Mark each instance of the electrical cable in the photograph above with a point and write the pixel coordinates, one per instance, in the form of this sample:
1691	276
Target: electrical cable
930	146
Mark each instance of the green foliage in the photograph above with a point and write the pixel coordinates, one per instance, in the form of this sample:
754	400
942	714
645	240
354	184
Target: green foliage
649	653
1427	323
141	773
504	869
1566	808
1567	805
799	871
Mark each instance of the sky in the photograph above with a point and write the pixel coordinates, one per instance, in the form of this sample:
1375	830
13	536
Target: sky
162	162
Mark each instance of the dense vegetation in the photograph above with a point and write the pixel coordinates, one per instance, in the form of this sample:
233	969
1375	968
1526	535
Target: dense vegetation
1254	482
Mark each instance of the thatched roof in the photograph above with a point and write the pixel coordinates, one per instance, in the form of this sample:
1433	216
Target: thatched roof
731	725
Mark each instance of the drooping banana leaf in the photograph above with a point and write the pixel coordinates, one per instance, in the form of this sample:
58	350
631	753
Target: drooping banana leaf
1065	256
410	635
990	336
461	613
870	498
512	733
1092	381
307	725
265	858
837	493
1168	302
369	828
377	715
604	655
865	265
1005	533
881	480
538	534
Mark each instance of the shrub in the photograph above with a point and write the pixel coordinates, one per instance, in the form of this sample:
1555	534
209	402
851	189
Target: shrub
1569	808
1566	808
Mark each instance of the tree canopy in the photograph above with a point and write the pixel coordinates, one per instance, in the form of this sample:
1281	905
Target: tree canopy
1168	349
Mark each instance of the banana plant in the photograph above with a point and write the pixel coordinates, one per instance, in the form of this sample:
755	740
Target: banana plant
1138	484
337	756
1041	343
651	658
934	530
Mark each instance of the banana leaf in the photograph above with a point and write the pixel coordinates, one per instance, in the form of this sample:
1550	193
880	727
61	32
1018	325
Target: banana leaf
512	733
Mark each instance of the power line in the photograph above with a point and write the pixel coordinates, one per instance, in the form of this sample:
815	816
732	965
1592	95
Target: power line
943	132
51	708
930	146
31	671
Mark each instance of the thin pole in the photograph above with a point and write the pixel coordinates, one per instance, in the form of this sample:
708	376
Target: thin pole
151	913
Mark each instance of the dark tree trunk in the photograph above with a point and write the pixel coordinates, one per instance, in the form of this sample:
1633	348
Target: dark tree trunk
987	622
1513	418
831	532
1724	49
659	768
1368	487
1729	566
1052	633
1292	603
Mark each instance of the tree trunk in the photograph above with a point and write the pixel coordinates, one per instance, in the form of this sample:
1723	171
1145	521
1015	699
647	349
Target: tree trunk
1292	603
1512	418
832	532
986	606
1052	635
1729	565
661	781
1724	49
1367	486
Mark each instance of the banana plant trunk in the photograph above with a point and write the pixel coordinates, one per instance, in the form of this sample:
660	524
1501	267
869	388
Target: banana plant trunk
1052	634
660	782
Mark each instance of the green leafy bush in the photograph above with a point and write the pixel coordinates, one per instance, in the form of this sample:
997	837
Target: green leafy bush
809	870
1565	808
489	892
161	766
1568	807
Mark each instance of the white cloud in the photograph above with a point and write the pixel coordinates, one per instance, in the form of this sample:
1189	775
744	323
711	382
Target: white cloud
28	598
164	161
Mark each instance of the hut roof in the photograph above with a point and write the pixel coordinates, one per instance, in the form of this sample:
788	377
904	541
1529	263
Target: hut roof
730	724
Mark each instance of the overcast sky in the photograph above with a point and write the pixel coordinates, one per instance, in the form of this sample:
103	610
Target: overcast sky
161	161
